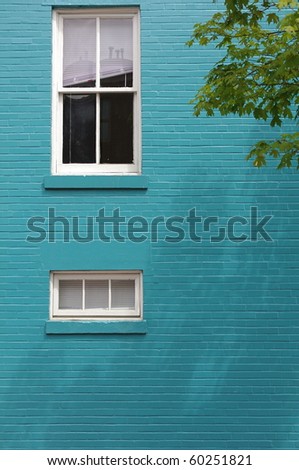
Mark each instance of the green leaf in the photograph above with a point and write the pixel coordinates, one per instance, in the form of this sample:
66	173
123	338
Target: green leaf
258	74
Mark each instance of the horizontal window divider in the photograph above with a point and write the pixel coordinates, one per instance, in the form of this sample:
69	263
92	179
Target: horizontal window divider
102	12
94	327
97	314
96	182
88	91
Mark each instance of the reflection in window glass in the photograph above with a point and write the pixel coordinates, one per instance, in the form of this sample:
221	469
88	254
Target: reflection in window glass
116	138
79	52
79	126
116	54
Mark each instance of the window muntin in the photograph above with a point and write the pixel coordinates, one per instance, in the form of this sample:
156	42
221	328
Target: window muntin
96	295
96	100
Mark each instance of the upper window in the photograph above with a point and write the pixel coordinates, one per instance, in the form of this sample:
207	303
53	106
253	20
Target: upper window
96	116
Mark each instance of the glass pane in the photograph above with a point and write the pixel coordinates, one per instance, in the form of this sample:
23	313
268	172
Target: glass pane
79	52
70	294
96	294
116	55
123	294
116	128
79	129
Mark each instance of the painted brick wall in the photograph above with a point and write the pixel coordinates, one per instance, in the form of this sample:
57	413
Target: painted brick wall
218	367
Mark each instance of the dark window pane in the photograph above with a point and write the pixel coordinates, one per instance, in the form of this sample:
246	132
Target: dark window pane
122	80
116	128
79	128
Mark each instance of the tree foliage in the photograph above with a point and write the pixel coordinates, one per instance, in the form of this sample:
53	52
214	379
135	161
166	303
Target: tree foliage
259	72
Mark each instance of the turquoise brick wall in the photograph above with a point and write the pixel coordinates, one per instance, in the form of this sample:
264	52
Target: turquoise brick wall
218	367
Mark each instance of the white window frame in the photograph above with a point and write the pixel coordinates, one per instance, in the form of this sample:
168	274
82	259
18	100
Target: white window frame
58	91
95	314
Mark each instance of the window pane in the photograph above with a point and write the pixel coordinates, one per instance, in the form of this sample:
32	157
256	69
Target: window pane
79	52
123	294
70	294
116	55
116	128
96	294
79	127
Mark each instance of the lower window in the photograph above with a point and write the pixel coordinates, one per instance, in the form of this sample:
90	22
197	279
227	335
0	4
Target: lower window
94	295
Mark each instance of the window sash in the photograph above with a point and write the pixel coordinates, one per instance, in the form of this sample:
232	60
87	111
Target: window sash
95	313
98	16
58	91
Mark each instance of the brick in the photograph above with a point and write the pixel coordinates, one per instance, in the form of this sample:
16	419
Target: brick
218	365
